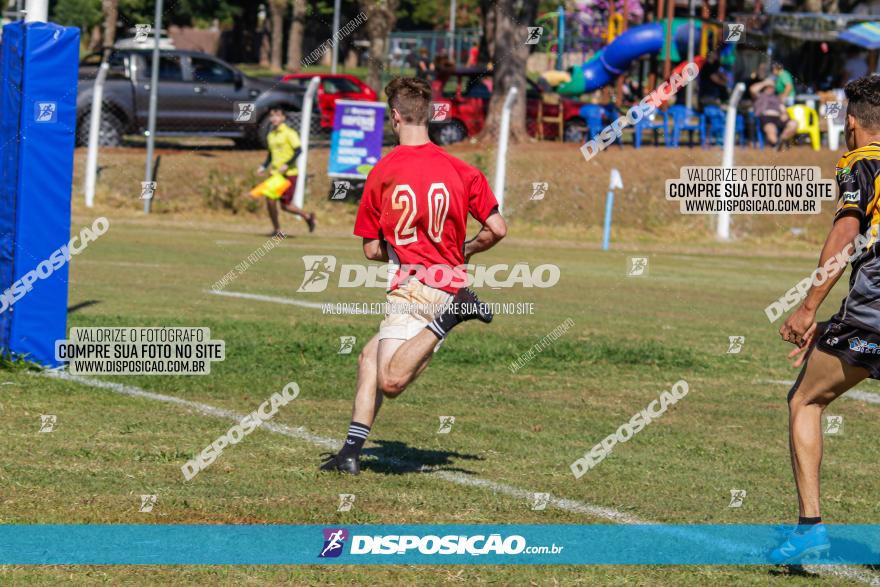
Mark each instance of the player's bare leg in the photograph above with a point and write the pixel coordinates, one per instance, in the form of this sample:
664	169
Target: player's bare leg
402	361
272	208
297	211
367	401
824	378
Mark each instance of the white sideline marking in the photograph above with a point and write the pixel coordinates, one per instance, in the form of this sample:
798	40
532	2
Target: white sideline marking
865	396
569	505
121	263
355	249
262	298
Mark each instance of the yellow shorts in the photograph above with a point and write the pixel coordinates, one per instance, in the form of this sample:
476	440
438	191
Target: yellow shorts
410	307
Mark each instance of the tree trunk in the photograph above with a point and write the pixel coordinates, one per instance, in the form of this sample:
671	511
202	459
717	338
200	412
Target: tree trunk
95	38
381	18
511	54
111	16
488	15
276	11
265	41
295	40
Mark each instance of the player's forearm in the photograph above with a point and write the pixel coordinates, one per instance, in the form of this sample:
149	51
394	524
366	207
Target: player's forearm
485	240
839	246
375	250
493	231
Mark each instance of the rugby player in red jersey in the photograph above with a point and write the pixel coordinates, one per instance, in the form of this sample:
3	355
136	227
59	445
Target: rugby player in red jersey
414	214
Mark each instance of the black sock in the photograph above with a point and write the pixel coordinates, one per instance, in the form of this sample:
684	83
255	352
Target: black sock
354	442
443	323
804	524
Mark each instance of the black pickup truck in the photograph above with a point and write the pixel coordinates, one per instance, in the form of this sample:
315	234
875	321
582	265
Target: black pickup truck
199	95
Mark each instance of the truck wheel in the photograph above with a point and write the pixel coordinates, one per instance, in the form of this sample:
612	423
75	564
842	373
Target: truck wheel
111	130
448	132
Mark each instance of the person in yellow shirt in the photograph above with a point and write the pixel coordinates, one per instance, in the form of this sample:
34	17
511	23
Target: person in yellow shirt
284	147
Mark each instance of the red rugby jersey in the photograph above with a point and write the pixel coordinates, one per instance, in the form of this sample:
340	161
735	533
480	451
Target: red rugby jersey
417	199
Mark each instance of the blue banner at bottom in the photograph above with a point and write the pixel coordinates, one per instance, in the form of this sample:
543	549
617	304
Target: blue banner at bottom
488	544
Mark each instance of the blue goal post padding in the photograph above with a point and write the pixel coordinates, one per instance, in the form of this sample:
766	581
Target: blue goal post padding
39	69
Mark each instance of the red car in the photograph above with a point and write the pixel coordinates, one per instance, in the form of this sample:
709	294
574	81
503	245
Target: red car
467	92
339	86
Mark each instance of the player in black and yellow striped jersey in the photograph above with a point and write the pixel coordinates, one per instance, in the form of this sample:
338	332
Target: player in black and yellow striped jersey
839	353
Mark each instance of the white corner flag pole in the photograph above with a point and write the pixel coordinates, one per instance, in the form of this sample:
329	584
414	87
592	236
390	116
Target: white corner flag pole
37	11
154	105
503	135
94	133
305	126
727	160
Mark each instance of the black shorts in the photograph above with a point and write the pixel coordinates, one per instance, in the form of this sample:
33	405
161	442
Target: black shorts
773	119
853	345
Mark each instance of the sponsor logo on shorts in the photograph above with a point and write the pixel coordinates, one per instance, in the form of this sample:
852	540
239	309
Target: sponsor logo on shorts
863	346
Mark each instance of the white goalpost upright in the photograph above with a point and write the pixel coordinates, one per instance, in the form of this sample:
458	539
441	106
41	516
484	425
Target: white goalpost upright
723	229
95	133
503	136
305	126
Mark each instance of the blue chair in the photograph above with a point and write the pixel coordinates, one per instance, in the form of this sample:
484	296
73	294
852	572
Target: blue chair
716	119
612	113
597	118
681	117
759	132
660	122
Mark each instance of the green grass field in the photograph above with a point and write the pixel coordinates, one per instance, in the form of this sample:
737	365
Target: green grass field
632	338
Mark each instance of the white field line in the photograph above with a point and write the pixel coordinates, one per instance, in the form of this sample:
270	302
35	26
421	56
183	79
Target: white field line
864	396
262	298
121	263
304	245
568	505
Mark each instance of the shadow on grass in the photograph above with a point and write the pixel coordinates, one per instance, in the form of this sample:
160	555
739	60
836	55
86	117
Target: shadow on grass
392	457
81	305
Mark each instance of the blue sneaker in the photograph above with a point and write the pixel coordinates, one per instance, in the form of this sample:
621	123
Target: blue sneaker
797	546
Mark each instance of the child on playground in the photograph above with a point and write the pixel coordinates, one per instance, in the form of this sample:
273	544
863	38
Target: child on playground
284	148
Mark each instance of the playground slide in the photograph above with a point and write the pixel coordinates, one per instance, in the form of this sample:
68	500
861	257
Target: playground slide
609	62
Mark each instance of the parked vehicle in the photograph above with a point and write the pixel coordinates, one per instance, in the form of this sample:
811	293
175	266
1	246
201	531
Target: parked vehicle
467	93
198	95
333	87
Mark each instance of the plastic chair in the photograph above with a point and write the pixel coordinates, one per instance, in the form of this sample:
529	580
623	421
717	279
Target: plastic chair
808	123
611	114
834	128
716	119
595	116
660	122
681	120
759	132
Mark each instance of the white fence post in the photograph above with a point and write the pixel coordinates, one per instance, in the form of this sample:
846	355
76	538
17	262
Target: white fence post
727	160
503	135
305	126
